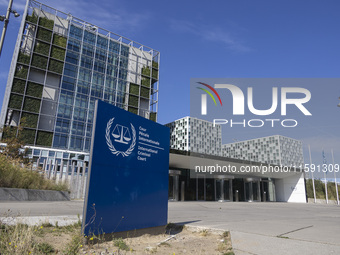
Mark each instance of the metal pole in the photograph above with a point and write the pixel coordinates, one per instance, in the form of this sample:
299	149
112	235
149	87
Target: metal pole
310	161
336	184
5	24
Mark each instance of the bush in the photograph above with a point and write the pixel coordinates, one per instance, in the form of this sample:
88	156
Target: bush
320	189
144	92
31	104
146	82
146	71
45	22
133	110
155	74
153	116
27	136
21	71
18	86
15	101
39	61
134	89
23	58
59	40
12	175
44	138
42	48
133	101
32	18
154	64
44	35
58	53
29	120
56	66
34	89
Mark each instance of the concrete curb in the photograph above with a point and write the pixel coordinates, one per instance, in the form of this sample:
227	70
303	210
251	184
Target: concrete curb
9	194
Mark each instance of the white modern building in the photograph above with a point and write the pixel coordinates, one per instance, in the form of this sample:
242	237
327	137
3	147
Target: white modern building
276	150
197	142
195	135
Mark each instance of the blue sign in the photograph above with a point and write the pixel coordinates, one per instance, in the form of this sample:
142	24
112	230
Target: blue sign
127	184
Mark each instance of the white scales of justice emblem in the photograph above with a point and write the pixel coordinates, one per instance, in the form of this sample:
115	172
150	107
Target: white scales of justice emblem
121	134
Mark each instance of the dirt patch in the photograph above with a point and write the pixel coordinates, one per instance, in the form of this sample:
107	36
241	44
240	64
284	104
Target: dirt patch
185	241
48	239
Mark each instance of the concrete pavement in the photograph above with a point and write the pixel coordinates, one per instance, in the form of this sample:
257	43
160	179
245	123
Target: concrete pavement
256	228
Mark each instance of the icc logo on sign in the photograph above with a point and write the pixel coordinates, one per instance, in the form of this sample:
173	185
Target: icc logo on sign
121	136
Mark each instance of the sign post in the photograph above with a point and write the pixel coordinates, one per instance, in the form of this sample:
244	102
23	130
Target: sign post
127	185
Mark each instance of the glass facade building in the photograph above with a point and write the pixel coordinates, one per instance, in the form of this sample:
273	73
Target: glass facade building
60	66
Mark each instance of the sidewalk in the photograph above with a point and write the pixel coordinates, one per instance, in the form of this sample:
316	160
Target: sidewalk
256	228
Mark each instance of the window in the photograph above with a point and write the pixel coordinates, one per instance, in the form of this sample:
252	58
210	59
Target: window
78	128
72	57
76	32
89	38
86	62
60	140
102	42
76	143
70	70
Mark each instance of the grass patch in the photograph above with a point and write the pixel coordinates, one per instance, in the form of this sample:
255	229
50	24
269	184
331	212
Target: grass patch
121	245
12	175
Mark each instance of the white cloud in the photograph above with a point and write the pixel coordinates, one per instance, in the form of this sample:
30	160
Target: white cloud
213	34
108	14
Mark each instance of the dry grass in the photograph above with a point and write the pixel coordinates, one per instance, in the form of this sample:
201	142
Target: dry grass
13	175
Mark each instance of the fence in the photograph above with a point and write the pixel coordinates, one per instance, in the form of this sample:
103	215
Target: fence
72	172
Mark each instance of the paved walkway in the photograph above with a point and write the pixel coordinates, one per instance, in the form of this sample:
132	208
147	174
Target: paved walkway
256	228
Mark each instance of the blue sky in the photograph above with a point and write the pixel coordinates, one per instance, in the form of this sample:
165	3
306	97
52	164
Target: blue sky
220	39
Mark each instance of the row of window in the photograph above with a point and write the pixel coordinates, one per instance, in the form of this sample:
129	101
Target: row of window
64	141
98	41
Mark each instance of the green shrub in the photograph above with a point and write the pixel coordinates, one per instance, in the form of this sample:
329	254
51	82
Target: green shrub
121	245
31	104
32	18
153	116
56	66
146	71
144	92
42	48
18	86
44	35
58	53
133	110
29	120
134	89
45	248
21	71
320	189
59	40
146	82
45	22
74	245
133	101
34	89
155	74
39	61
15	101
44	138
155	64
23	58
27	136
12	175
